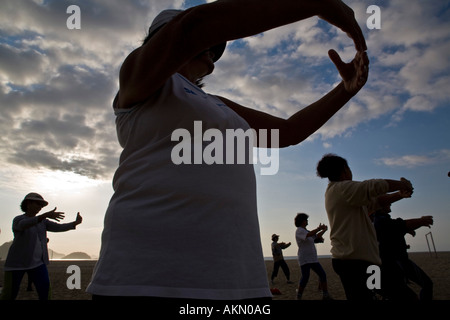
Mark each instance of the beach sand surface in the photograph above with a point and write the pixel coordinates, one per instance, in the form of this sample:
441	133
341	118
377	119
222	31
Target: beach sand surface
437	266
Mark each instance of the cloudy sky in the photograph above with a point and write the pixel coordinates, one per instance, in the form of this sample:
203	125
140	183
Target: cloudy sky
57	127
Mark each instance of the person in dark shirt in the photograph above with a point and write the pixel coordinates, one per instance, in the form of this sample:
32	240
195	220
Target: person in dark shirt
397	269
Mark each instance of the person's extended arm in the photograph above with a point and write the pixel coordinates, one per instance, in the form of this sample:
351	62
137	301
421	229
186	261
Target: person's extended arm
309	119
53	214
285	245
147	68
20	224
413	224
61	227
404	187
319	231
390	198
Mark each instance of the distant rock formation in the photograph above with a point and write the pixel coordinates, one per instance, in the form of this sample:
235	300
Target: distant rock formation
4	248
77	256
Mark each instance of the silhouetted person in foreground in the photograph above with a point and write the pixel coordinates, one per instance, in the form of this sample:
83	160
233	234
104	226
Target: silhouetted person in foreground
182	230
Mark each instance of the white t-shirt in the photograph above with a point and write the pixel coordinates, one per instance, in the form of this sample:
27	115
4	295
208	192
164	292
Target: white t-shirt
307	252
348	204
182	231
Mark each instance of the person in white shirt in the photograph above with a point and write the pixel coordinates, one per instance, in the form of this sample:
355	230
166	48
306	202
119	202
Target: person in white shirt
307	254
161	211
28	252
348	203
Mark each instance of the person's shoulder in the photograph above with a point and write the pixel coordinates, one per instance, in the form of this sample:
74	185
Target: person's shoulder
344	184
19	217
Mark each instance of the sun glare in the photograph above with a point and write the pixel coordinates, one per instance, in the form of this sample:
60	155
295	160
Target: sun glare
56	182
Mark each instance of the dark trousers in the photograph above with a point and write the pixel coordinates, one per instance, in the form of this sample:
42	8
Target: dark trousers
284	267
38	275
353	275
395	276
306	270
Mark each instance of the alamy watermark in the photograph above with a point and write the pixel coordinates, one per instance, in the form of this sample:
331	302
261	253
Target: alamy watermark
374	21
234	146
74	20
374	280
74	280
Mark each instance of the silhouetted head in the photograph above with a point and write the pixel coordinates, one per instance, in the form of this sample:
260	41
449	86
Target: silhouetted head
334	167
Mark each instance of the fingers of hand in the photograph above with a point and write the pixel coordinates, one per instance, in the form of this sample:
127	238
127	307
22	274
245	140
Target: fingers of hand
362	65
407	183
58	215
335	58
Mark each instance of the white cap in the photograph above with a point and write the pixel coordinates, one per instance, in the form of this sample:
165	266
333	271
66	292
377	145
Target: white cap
166	16
36	197
161	19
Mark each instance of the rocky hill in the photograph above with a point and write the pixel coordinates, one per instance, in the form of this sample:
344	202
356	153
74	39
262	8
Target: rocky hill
77	256
4	248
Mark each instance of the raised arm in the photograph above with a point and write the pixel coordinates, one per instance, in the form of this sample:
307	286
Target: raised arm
413	224
53	214
147	68
319	231
403	187
309	119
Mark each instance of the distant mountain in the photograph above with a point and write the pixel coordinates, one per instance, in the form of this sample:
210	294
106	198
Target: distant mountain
4	248
55	255
77	255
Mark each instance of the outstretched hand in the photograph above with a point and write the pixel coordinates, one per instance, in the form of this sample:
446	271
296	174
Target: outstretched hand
54	215
79	219
355	73
427	221
408	185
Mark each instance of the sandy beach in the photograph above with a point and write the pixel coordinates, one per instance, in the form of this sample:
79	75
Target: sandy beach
436	266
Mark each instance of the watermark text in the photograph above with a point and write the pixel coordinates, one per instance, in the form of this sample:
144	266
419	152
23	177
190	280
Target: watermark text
235	146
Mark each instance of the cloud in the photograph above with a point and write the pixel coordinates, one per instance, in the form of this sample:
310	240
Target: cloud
410	55
413	161
285	69
57	85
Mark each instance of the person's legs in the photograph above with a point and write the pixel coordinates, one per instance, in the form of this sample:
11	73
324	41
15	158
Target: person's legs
303	280
317	268
414	273
12	284
286	270
394	284
276	266
39	276
30	283
353	275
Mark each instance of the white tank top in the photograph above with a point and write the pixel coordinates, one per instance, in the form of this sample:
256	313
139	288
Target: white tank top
183	231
